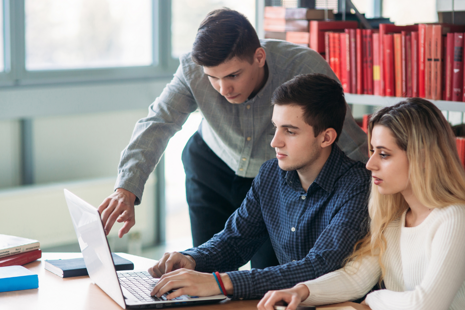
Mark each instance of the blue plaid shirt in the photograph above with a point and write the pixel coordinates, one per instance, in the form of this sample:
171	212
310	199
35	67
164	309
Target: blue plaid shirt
311	232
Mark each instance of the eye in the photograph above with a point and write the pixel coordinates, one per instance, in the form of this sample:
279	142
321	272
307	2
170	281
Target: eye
290	132
383	155
233	76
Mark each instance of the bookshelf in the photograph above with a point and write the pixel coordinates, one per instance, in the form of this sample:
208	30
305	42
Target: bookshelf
372	100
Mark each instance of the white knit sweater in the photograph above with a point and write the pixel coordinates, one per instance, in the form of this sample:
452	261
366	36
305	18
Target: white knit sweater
425	268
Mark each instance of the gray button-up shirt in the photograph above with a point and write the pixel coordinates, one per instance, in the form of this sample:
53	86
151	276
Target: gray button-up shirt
240	134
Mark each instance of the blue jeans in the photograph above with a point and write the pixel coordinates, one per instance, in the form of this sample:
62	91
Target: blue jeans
213	193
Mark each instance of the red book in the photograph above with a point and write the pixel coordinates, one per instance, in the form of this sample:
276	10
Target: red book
282	25
403	53
297	37
344	61
327	49
421	60
443	67
376	82
457	80
369	61
21	258
385	29
318	28
360	72
364	62
389	64
436	69
366	120
408	41
428	61
449	65
353	60
337	55
398	64
414	68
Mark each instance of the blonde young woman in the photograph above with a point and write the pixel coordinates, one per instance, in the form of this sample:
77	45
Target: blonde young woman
416	243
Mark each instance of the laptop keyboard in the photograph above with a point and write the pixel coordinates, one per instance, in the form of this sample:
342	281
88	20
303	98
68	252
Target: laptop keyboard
140	284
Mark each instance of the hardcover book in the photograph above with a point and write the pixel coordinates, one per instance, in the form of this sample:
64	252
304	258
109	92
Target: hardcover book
21	258
11	245
76	267
296	13
15	278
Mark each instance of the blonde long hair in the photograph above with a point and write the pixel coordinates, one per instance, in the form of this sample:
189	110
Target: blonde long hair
435	171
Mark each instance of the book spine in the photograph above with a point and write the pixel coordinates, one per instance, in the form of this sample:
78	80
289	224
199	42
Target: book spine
348	66
382	81
19	249
443	67
297	37
421	60
403	53
21	259
24	282
449	65
300	25
364	61
369	56
428	61
275	35
415	64
359	61
337	53
436	52
398	64
353	61
327	50
457	80
274	24
389	64
376	77
343	62
274	12
332	52
408	41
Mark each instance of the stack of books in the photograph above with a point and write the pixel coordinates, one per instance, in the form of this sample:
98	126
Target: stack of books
424	60
292	24
18	251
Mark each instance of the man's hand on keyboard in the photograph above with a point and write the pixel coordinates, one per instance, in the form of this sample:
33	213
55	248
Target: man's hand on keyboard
171	261
186	282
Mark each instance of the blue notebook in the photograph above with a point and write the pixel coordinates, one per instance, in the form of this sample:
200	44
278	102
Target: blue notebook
15	278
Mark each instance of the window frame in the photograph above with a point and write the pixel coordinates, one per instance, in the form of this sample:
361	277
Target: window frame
15	73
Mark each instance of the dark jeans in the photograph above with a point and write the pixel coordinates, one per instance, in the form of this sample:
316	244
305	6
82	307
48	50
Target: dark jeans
213	193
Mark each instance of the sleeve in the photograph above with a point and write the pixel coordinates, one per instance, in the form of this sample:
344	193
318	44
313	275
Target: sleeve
348	283
444	276
332	246
151	134
244	232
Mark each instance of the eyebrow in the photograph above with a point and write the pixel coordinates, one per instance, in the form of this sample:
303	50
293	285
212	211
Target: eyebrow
382	147
286	126
233	73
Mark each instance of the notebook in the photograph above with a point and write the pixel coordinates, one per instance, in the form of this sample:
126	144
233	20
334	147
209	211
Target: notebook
127	289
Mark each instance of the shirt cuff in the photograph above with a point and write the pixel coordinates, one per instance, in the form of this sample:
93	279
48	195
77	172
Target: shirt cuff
124	181
242	284
200	261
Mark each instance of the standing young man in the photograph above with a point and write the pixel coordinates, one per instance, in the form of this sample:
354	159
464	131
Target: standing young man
311	201
229	76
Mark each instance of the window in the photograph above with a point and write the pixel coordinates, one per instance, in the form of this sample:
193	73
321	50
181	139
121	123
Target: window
2	60
88	34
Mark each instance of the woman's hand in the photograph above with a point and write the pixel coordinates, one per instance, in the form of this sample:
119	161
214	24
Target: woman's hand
293	297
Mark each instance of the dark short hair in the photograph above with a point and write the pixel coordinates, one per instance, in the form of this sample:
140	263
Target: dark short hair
223	35
321	97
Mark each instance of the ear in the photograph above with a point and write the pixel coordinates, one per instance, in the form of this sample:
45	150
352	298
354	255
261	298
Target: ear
260	56
328	137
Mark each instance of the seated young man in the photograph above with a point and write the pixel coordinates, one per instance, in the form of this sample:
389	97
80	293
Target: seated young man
311	201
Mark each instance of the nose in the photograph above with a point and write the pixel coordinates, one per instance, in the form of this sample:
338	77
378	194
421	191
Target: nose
225	88
277	142
371	163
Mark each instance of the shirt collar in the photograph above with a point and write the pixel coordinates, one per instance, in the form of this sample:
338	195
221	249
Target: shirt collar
327	176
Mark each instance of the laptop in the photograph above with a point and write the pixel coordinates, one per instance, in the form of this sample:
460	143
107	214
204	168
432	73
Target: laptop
129	289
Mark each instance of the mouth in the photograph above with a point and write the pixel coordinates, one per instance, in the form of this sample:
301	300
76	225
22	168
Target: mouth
231	97
377	181
280	155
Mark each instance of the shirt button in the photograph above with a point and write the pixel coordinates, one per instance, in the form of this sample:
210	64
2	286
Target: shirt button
293	260
249	138
241	169
248	106
303	197
244	159
293	229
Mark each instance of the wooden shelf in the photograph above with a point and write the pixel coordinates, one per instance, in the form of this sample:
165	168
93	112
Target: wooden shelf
388	101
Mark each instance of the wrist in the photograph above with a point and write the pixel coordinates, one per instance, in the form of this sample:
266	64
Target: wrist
302	291
131	196
227	283
192	260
